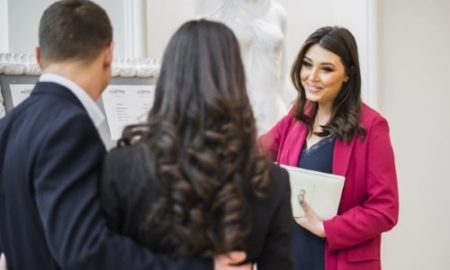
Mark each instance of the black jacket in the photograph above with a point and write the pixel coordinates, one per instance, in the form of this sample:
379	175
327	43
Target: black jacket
50	215
127	191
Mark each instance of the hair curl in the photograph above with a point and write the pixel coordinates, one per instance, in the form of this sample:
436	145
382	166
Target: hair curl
200	143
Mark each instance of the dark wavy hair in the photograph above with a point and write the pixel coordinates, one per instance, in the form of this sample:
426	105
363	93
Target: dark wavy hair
346	111
200	143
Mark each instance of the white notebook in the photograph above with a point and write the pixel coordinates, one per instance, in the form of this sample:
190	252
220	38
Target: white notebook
322	191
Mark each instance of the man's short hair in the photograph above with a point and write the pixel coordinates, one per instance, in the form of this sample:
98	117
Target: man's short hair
73	30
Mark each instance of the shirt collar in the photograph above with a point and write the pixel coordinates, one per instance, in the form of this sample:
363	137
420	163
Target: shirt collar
88	103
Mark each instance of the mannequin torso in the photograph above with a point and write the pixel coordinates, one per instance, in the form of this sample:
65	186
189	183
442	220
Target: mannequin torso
259	26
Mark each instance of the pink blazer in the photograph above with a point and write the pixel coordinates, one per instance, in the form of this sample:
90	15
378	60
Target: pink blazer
369	203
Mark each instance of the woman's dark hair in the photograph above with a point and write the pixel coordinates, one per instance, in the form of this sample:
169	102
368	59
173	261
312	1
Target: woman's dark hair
346	112
200	142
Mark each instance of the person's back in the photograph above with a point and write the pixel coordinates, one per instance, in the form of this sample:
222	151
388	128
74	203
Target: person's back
27	136
191	181
129	189
49	146
51	154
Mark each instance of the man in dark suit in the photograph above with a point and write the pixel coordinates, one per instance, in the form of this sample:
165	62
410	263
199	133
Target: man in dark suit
51	152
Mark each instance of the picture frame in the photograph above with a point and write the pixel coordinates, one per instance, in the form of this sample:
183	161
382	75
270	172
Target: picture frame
133	81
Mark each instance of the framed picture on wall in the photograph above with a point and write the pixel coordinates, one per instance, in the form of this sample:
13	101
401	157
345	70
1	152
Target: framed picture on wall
126	100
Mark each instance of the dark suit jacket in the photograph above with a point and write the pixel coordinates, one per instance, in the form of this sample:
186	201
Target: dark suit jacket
50	156
128	191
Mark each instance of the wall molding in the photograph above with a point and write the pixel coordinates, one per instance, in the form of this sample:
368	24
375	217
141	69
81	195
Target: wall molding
4	26
25	64
135	21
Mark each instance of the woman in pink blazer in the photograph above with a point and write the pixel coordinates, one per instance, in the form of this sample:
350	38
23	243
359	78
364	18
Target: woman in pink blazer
329	129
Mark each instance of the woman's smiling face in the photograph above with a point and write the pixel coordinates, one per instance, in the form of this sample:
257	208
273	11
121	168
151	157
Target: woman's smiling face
322	75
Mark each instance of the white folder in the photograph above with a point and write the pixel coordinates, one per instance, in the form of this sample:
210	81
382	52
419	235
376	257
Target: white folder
322	191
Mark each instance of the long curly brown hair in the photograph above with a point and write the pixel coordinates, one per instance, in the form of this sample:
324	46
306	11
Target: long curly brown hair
200	143
346	113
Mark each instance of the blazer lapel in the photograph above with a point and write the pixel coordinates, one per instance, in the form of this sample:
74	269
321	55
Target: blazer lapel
297	141
341	156
296	138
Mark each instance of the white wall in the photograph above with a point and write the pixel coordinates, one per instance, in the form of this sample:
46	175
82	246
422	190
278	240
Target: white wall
164	17
116	13
415	96
4	41
414	42
304	17
23	22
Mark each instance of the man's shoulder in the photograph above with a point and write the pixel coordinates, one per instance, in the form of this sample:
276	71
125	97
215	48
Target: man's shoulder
50	92
45	116
40	112
53	102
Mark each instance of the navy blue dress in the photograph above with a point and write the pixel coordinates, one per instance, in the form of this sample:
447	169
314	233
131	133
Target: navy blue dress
309	248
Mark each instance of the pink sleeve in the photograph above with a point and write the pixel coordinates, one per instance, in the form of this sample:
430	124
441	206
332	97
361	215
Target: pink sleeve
269	142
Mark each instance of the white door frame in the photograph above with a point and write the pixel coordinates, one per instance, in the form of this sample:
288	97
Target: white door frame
135	28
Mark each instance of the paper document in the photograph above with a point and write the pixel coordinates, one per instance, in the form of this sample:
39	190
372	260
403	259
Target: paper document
125	105
322	191
19	92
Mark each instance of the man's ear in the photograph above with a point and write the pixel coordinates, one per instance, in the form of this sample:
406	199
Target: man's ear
38	55
108	55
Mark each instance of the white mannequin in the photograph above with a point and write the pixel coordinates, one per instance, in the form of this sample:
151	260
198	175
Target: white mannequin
259	26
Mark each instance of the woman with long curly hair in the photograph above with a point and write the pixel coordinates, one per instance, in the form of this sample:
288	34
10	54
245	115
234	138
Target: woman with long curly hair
330	129
191	180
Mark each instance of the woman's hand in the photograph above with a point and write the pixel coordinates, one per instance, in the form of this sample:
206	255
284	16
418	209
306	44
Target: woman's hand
311	221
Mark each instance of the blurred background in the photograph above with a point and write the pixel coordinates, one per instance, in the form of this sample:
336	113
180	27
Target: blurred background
404	51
